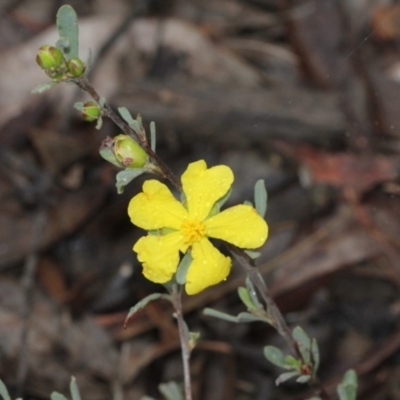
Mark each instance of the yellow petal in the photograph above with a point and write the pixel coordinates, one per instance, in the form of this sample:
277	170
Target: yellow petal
203	187
239	225
159	255
208	267
156	208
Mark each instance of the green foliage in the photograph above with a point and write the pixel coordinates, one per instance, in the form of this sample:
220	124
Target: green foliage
255	310
153	136
304	368
44	87
74	390
260	197
243	317
347	390
3	391
67	24
183	268
143	303
170	391
123	178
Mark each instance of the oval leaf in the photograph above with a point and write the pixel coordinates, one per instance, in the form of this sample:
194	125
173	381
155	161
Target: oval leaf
275	356
67	24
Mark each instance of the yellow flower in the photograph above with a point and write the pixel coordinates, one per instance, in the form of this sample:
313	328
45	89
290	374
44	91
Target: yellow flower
189	226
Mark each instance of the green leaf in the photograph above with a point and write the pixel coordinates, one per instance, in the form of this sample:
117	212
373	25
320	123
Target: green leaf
246	298
275	356
253	254
126	176
347	390
245	317
304	343
285	377
73	387
315	356
224	199
260	197
253	294
153	136
3	391
126	115
78	105
67	24
219	314
171	391
292	363
303	379
183	268
44	87
99	123
143	303
147	398
57	396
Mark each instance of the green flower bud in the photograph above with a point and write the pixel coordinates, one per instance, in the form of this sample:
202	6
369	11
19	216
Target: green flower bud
128	152
49	57
76	67
91	111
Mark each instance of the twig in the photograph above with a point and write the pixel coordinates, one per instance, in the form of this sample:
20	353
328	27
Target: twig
164	170
183	337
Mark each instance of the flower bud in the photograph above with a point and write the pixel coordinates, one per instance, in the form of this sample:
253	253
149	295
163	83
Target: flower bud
49	57
128	152
76	67
90	111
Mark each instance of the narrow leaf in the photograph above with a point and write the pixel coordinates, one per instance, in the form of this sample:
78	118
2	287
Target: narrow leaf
253	254
44	87
315	356
304	343
126	176
347	390
57	396
260	197
246	298
67	24
303	378
221	315
78	105
73	387
153	138
3	391
275	356
171	391
126	115
285	377
183	268
142	303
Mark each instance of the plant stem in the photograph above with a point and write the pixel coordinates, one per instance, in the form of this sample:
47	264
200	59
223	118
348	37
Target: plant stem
107	111
184	339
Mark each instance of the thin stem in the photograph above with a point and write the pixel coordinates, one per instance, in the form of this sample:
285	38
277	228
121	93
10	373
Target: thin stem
279	322
184	339
107	111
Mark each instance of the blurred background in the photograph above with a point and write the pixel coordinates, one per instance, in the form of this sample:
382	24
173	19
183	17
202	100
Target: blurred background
304	94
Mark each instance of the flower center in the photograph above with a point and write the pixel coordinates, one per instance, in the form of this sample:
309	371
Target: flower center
193	231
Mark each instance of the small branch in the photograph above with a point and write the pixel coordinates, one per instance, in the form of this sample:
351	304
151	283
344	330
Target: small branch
177	302
279	322
164	170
